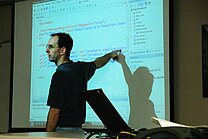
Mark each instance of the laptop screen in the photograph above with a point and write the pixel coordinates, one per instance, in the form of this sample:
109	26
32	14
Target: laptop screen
106	111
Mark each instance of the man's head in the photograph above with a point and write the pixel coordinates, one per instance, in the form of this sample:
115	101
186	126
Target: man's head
58	45
64	40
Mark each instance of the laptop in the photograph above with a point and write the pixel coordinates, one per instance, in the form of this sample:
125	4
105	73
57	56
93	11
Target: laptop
107	113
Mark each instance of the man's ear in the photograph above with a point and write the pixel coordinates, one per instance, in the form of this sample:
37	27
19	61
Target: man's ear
63	50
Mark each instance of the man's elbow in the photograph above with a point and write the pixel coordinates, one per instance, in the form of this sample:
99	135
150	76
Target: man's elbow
55	111
97	64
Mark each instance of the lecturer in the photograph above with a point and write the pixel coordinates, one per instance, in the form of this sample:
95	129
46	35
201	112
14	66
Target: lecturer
67	105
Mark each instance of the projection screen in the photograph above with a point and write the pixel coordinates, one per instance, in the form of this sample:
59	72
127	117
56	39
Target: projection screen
140	28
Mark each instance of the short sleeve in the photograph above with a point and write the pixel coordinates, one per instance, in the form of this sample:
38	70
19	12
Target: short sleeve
90	68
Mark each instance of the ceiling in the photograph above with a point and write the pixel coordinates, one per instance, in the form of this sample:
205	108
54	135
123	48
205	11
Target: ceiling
8	2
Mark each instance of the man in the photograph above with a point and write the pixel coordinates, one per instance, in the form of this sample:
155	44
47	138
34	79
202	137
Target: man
67	105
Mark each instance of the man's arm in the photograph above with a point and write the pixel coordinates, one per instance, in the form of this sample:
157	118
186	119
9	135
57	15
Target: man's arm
101	61
53	116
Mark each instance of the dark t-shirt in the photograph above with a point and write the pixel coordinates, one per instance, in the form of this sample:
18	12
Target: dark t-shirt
67	85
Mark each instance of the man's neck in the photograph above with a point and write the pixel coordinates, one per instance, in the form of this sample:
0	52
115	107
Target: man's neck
62	61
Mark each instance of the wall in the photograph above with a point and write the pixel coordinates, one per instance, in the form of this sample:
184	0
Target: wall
5	58
189	106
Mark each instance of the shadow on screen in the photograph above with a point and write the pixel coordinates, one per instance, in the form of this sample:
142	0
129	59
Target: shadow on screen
140	84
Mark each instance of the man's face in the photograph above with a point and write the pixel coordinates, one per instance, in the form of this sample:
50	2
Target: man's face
53	50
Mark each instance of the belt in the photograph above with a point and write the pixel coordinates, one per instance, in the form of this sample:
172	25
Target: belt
68	129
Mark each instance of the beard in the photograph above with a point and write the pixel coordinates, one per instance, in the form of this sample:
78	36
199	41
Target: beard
53	58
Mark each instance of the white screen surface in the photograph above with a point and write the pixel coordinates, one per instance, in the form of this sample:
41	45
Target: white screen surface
137	27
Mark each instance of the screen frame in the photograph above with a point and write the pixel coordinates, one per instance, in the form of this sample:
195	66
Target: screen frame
204	30
171	77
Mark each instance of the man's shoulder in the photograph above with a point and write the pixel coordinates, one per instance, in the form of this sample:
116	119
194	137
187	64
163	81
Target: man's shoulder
85	64
77	66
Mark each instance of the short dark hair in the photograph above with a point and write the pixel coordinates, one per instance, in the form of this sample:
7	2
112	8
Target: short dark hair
65	40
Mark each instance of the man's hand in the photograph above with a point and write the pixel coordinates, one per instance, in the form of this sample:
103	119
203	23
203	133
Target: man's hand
114	54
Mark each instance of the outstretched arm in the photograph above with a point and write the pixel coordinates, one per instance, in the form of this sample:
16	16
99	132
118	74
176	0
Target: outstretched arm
101	61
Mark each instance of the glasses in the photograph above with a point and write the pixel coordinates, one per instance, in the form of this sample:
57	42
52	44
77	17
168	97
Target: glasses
50	47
